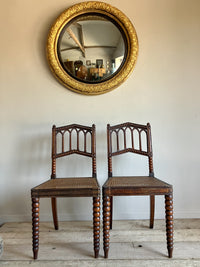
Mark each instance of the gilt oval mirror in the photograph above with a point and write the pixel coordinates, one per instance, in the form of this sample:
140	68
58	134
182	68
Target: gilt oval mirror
92	48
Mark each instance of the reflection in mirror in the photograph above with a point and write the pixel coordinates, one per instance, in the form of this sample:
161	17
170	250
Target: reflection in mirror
91	48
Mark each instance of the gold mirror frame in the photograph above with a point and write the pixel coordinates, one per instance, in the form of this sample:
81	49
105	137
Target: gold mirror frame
131	54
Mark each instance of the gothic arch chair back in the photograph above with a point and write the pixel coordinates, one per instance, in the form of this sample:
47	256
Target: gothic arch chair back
139	143
74	139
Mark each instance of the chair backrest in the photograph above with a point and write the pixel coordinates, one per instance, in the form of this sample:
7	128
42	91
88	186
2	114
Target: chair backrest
74	139
129	137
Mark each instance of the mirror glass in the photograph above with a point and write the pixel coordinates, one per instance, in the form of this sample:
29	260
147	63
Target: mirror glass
91	48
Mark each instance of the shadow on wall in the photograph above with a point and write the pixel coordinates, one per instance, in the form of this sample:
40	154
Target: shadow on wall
30	161
42	35
31	166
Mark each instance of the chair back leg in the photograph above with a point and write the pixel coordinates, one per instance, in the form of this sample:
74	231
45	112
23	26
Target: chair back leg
54	212
152	210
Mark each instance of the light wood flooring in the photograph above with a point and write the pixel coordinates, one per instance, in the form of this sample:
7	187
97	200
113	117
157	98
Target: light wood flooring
132	243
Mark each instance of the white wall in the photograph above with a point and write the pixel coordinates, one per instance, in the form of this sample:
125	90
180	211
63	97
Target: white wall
163	89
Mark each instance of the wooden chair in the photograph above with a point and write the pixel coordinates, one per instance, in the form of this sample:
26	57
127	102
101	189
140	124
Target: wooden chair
85	145
134	185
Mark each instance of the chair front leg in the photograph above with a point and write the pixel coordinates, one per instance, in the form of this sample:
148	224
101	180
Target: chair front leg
35	226
106	224
111	212
96	225
169	223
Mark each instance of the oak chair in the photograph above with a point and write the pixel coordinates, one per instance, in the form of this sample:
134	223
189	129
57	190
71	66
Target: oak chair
74	139
117	141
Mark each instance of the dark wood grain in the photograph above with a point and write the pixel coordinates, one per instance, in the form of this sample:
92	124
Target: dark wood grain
117	144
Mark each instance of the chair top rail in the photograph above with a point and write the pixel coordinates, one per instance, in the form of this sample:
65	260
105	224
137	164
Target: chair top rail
73	126
128	124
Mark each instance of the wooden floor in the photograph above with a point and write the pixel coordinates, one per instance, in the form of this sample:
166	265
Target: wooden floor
132	244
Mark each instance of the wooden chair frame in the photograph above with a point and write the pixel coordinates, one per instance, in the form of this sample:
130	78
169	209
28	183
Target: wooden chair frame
69	187
134	185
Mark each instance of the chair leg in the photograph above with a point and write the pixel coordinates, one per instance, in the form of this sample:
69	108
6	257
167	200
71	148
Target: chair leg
169	223
106	224
54	211
111	212
35	226
152	210
96	225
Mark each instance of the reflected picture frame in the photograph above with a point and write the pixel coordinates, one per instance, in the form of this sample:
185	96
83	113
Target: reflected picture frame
88	62
99	63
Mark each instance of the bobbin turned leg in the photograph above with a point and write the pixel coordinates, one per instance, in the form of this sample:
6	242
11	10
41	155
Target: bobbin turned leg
111	211
152	208
96	225
106	224
169	223
35	226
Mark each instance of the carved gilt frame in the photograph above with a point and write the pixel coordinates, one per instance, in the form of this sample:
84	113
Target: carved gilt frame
131	53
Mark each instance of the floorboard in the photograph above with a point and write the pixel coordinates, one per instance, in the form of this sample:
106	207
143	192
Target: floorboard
132	243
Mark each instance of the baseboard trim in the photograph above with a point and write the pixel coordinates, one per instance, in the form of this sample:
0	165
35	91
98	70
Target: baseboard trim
192	214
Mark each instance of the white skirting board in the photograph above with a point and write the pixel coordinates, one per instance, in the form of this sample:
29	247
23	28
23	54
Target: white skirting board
47	216
1	246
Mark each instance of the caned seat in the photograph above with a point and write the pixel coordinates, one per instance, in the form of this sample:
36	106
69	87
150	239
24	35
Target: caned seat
85	145
118	143
137	183
67	187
